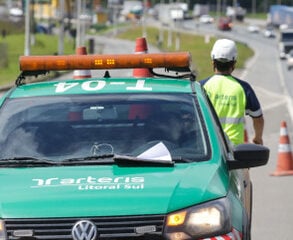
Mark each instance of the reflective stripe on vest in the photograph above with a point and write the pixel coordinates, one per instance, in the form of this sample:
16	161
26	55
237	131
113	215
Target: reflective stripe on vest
230	120
229	100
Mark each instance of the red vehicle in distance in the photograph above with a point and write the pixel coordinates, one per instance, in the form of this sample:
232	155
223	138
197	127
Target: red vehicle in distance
225	24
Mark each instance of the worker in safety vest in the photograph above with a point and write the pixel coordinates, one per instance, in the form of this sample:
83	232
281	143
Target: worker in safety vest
231	97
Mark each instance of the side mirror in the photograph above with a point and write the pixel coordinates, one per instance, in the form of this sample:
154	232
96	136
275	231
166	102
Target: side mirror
249	155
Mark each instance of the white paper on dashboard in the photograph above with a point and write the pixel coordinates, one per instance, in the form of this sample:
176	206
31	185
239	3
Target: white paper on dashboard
157	152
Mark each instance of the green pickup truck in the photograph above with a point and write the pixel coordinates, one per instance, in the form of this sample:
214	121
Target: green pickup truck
119	158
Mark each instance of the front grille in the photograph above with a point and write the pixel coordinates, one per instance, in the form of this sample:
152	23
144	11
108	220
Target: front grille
109	228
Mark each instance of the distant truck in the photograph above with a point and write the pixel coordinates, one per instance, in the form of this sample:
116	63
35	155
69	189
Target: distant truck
237	13
285	42
131	9
280	15
200	9
167	14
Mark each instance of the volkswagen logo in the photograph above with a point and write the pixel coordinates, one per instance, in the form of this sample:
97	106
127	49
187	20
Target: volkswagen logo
84	230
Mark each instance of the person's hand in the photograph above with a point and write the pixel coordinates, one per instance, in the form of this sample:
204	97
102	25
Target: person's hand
256	140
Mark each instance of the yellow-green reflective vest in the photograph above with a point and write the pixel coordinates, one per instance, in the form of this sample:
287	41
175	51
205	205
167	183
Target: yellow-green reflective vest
229	100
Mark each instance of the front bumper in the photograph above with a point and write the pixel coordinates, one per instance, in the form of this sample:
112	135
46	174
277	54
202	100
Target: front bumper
233	235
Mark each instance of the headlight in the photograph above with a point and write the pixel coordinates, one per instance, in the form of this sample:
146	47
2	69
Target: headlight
2	230
205	220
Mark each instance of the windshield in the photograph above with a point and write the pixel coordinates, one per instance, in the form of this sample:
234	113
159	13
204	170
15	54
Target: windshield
59	128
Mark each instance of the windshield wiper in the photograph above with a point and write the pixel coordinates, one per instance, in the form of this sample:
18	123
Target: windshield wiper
26	161
121	159
90	159
31	161
100	159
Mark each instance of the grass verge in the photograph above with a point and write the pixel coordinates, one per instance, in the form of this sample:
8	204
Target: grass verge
13	47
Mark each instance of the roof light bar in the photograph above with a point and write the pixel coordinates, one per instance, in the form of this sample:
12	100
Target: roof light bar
73	62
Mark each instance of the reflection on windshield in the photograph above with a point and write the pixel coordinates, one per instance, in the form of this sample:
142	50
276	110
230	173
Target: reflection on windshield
155	126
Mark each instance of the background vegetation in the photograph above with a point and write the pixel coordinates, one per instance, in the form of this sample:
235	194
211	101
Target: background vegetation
13	47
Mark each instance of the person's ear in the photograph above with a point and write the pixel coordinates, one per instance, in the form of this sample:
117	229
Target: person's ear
214	65
233	66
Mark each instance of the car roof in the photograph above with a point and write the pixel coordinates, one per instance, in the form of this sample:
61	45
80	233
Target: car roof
103	86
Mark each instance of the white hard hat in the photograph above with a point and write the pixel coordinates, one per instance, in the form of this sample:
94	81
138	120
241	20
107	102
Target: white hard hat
224	50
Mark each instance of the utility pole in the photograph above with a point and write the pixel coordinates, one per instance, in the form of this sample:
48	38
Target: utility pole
78	42
144	16
61	28
161	30
8	4
27	41
219	8
83	23
253	6
169	42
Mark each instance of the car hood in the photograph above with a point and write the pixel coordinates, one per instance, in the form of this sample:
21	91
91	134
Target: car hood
107	190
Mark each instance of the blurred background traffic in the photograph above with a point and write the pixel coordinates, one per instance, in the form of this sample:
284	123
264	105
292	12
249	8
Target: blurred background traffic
33	27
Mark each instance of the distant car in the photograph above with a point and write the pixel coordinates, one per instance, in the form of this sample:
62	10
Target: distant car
253	28
290	60
40	28
16	12
285	48
269	33
225	24
206	19
283	26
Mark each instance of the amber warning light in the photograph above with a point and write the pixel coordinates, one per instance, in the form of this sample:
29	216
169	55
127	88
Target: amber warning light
73	62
